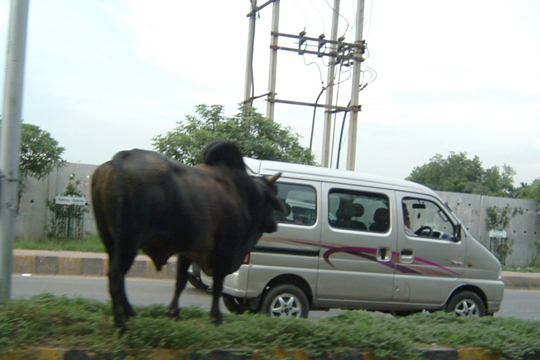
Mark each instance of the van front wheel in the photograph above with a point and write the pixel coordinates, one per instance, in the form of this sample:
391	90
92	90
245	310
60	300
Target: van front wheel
285	300
468	304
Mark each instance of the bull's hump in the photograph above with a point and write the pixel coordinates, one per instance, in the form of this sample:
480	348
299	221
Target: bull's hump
143	162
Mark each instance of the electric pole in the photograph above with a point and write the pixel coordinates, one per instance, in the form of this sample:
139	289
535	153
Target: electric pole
355	92
336	50
327	129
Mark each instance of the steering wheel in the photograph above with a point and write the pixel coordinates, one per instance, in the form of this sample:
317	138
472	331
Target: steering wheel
422	231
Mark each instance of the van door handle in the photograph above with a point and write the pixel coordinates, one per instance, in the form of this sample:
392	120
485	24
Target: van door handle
384	254
406	256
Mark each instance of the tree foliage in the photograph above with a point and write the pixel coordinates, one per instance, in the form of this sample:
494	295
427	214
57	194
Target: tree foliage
530	192
39	155
458	173
255	135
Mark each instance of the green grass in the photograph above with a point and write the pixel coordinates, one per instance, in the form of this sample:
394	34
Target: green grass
50	321
534	269
90	244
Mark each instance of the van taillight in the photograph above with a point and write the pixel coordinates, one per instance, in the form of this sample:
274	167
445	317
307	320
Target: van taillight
246	260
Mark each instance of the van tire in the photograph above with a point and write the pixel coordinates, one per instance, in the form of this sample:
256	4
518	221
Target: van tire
235	305
466	303
285	300
196	282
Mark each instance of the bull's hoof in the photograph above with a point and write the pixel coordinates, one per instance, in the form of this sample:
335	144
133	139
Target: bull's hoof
173	312
121	327
216	321
122	331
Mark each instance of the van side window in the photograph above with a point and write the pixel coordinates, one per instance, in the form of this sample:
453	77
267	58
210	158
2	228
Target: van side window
358	210
426	219
301	203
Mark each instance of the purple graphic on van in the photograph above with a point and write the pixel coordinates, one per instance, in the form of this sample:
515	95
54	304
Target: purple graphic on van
416	266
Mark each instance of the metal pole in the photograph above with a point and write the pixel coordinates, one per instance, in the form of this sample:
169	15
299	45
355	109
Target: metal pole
249	62
11	139
273	62
327	129
353	127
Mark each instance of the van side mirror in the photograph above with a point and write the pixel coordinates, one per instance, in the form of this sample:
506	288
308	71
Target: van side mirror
457	233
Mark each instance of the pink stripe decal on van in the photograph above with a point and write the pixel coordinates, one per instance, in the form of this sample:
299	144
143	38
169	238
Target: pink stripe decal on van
370	254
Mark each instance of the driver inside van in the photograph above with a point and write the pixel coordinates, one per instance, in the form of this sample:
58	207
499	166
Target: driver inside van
407	221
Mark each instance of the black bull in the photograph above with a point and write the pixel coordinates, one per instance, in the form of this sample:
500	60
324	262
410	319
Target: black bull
212	214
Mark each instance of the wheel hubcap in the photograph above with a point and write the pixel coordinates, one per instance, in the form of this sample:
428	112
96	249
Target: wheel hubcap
286	305
467	308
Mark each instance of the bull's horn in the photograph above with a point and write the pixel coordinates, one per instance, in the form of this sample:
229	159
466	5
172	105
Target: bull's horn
272	179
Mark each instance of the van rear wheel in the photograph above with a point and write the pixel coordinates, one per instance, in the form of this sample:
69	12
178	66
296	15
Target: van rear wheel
196	282
285	300
466	303
235	305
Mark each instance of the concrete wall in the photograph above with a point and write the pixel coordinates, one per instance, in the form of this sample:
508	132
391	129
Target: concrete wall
523	229
33	213
471	209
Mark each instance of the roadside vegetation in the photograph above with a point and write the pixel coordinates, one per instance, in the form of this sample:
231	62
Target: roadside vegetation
88	244
51	321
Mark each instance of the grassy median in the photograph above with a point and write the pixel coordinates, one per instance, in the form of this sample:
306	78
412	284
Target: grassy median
52	321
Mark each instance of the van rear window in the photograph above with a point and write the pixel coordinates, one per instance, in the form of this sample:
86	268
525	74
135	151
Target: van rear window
301	203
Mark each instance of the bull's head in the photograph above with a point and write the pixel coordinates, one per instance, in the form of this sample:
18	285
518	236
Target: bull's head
271	205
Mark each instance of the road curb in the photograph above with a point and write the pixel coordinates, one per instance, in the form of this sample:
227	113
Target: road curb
470	353
72	263
84	264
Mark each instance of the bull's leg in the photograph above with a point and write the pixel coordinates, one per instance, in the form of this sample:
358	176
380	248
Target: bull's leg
181	280
122	310
217	287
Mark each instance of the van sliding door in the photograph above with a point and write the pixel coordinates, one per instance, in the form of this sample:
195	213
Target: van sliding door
358	243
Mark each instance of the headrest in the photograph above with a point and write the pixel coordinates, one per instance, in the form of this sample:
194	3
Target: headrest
381	215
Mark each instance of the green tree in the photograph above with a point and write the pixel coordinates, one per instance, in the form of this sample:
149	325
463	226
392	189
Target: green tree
458	173
530	192
499	219
40	154
255	135
67	220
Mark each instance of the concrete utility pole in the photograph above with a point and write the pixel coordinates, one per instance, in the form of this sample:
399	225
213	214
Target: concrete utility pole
273	62
337	50
355	92
330	76
11	139
249	62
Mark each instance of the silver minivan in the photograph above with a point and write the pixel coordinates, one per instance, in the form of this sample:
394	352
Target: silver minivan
356	241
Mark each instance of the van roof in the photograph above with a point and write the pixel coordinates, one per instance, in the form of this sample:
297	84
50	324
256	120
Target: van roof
317	173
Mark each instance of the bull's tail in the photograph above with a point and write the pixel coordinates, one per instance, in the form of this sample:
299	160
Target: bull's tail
122	208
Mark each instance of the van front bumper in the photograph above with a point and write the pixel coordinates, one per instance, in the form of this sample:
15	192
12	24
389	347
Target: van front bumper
494	305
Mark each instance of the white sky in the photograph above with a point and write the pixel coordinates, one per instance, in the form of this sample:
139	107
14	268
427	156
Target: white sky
108	75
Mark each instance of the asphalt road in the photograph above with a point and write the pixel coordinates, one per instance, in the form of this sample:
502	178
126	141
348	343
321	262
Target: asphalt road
517	303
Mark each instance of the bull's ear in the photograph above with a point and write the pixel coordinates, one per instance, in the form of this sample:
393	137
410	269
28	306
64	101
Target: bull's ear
272	179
